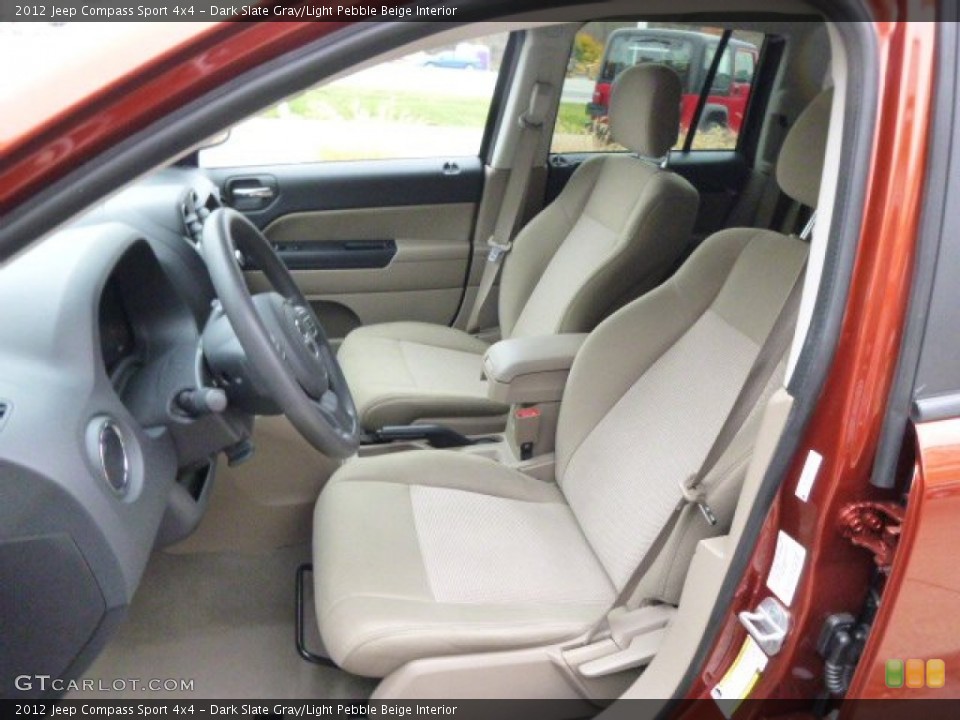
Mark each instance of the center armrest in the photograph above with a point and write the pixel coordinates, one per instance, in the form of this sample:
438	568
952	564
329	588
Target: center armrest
530	369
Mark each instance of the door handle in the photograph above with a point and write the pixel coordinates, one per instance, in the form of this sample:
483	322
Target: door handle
258	192
251	192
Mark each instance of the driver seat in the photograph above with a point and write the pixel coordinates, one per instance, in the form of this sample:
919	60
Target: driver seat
430	553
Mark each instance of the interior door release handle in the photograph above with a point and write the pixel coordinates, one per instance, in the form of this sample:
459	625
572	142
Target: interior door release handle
258	192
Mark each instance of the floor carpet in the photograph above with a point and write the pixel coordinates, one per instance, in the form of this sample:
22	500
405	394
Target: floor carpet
225	621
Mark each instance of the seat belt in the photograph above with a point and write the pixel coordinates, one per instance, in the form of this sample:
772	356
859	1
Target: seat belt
501	241
693	488
784	207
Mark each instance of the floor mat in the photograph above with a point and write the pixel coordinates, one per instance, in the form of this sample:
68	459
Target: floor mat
224	621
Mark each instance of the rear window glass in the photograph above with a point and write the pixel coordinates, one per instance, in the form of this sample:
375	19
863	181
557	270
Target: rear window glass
603	50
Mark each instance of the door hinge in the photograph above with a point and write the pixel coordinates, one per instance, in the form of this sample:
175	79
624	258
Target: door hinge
841	644
875	526
839	649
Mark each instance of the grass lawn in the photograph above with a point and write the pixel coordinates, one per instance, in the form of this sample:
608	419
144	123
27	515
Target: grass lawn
572	118
332	103
572	133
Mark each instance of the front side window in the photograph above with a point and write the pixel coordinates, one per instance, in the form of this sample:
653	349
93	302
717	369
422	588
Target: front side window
430	104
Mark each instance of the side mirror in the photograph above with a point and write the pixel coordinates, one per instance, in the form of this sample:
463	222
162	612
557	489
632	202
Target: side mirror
219	139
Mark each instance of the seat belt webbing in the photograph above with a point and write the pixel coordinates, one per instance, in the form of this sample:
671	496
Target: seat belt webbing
501	241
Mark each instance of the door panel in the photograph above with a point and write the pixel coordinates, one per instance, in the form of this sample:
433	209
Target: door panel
368	242
422	281
719	176
309	187
337	254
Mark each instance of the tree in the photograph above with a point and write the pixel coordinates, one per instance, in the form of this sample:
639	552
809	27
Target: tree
587	51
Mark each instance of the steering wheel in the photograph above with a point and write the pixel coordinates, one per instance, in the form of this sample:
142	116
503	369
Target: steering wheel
281	335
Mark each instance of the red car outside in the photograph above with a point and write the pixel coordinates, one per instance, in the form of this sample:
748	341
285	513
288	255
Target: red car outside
691	55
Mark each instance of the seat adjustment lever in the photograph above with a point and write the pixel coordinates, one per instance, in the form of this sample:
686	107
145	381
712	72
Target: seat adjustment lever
641	650
634	637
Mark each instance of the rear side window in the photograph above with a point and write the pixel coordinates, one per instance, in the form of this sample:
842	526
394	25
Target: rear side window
431	104
627	50
603	50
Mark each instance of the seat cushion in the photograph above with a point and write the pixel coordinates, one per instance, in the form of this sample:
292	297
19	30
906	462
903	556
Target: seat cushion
405	371
431	553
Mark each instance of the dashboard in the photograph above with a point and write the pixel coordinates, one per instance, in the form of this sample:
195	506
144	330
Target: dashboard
99	464
118	345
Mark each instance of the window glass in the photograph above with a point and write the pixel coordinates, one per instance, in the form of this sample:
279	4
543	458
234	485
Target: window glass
721	81
430	104
743	67
629	50
603	50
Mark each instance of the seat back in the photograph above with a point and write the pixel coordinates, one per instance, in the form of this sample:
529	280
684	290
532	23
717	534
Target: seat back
617	227
654	383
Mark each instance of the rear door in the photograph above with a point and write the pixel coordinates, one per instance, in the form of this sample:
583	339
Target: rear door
715	161
368	186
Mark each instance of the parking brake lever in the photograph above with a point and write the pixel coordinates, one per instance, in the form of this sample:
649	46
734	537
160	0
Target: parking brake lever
438	436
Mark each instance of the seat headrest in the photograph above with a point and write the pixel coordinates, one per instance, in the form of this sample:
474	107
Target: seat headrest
800	164
645	109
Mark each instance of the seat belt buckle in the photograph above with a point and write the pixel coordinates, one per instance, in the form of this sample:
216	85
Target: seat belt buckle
497	250
694	494
526	430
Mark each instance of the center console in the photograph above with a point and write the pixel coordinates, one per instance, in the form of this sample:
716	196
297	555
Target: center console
529	374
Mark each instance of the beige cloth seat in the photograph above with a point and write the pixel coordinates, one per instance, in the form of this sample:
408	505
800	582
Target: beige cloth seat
505	565
617	227
399	372
432	553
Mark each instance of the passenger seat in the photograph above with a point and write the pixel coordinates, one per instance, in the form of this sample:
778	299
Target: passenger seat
618	226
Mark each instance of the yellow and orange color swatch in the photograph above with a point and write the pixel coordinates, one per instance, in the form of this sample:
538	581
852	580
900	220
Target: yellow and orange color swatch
916	673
